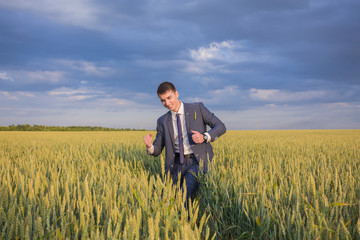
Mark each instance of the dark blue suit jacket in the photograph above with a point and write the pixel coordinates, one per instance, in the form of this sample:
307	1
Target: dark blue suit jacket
197	117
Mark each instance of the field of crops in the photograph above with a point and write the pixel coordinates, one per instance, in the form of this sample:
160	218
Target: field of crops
301	184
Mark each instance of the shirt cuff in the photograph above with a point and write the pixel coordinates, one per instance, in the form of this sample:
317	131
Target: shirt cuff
150	150
209	137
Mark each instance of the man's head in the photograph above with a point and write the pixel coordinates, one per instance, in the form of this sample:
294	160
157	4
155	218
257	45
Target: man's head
169	96
164	87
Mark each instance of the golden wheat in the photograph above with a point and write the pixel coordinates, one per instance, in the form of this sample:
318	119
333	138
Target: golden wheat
102	185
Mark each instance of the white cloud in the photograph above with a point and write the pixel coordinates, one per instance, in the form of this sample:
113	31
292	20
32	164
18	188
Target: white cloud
31	77
231	90
341	105
75	94
66	91
307	116
5	93
223	96
87	67
276	95
271	105
16	95
26	94
43	76
5	76
217	57
215	50
204	67
71	94
117	102
83	13
228	51
100	99
80	97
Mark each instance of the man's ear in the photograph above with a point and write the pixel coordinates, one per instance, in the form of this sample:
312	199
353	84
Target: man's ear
177	94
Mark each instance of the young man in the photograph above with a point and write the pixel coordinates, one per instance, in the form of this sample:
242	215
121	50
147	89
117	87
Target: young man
182	131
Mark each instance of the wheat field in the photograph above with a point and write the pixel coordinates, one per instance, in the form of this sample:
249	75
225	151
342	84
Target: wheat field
298	184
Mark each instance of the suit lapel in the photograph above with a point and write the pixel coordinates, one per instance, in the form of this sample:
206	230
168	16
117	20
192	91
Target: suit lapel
170	127
188	113
187	117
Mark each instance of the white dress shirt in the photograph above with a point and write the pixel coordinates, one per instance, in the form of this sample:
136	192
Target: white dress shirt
187	148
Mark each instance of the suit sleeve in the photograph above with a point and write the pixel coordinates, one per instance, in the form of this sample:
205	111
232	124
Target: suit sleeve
217	126
159	141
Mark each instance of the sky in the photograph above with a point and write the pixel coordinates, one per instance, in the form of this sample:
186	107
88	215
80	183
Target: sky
256	64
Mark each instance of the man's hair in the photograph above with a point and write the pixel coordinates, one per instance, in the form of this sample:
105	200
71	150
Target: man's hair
164	87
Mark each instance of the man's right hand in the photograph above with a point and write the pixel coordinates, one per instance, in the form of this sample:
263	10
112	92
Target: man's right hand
148	140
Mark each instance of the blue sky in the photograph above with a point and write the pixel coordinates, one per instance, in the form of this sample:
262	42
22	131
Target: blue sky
283	64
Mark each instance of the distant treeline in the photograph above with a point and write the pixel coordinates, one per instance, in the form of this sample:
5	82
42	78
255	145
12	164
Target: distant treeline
28	127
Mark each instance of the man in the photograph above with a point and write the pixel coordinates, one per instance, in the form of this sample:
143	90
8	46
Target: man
182	131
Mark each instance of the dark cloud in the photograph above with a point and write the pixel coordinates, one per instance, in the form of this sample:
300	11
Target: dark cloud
253	57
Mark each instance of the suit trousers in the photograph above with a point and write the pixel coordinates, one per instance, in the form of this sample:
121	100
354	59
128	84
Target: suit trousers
188	172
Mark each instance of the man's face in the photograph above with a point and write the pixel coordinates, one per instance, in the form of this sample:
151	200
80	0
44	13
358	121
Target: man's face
170	100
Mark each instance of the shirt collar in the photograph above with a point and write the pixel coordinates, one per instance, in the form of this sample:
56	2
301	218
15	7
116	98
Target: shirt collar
181	110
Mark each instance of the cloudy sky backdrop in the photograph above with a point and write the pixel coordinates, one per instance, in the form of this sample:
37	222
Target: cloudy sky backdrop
283	64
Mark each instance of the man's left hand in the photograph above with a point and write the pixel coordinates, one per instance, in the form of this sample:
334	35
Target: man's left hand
197	137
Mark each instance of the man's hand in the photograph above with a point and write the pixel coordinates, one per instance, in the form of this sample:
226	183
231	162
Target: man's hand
148	140
197	137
